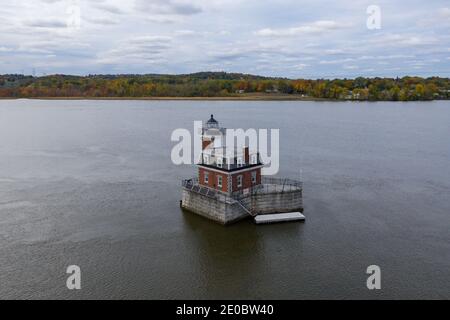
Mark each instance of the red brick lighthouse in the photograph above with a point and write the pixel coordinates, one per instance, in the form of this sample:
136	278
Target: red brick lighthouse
225	170
229	186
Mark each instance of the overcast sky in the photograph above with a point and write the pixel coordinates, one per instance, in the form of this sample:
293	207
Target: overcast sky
290	38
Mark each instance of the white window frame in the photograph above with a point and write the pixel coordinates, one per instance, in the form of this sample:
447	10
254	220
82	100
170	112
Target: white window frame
239	181
205	159
206	177
254	159
219	162
254	175
219	181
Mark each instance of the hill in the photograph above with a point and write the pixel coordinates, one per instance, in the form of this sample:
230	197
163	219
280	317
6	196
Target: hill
221	85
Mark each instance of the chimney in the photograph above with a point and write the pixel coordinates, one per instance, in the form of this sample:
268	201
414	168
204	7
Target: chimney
246	155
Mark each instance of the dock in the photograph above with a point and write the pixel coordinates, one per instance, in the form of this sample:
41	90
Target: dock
279	217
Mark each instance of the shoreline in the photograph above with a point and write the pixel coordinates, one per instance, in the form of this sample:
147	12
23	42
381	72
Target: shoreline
231	98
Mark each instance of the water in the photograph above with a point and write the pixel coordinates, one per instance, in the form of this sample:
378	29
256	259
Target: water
91	183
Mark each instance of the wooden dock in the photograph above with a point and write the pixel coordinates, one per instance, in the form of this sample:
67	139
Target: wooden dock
279	217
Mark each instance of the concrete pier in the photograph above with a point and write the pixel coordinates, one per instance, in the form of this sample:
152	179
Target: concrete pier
274	196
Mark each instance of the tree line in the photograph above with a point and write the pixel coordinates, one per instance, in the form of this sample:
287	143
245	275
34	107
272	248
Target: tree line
221	84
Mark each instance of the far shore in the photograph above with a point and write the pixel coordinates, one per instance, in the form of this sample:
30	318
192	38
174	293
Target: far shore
241	97
225	98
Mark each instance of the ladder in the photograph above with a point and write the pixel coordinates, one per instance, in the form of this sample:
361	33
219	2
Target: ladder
246	209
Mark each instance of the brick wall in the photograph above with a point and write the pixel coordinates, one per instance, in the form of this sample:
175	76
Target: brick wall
212	179
246	179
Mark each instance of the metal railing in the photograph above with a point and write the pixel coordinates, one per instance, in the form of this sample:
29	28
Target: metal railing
282	181
268	185
193	185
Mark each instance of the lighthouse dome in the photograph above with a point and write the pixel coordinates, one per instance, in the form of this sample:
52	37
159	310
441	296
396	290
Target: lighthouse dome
212	123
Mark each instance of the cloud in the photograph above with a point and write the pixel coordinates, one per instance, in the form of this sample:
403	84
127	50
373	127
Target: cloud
337	61
143	49
301	66
303	38
185	33
230	54
386	57
334	51
167	7
5	49
252	51
313	28
51	1
109	8
101	20
444	13
404	40
46	23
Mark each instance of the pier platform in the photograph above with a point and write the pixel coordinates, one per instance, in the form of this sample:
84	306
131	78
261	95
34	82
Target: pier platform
279	217
271	198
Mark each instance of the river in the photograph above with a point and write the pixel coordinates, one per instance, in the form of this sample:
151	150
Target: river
91	183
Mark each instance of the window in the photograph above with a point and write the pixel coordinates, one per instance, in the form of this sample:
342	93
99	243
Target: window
219	162
239	162
219	181
206	178
253	177
239	181
254	159
205	159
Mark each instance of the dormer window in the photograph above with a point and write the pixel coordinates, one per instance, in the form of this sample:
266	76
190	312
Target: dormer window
254	159
240	162
205	159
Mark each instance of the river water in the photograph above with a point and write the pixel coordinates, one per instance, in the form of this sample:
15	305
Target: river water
91	183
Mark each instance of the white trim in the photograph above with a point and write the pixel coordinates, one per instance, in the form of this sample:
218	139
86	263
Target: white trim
240	162
254	175
232	172
240	180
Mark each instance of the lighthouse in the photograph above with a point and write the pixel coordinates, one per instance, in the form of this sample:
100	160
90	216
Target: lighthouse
229	185
225	170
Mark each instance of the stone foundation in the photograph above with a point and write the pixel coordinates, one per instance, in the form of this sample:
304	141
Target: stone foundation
229	211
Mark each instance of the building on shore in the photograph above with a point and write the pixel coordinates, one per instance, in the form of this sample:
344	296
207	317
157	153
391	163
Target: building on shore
229	186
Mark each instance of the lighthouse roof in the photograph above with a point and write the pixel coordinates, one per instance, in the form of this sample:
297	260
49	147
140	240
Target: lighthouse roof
212	123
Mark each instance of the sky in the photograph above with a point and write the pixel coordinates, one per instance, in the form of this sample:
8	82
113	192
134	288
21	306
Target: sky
287	38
